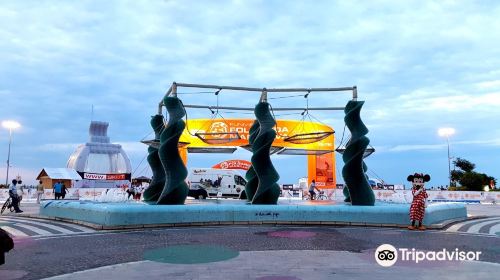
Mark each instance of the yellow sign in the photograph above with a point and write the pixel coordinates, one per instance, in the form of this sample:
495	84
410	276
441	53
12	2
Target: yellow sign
227	128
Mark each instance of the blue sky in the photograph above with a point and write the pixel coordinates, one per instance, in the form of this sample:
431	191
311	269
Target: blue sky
419	65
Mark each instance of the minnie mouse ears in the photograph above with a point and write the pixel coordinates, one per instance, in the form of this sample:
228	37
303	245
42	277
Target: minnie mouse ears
426	177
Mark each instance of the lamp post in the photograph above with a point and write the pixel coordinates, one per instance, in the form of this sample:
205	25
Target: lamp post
447	132
10	125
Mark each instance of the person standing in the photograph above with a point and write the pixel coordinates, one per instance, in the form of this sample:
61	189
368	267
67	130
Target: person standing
39	192
137	191
21	189
63	190
130	191
57	190
14	196
419	203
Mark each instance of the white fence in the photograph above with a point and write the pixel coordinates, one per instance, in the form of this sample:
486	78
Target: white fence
405	196
396	196
97	194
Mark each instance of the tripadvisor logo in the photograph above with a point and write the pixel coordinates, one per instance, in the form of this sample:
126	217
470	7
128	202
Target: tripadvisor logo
387	255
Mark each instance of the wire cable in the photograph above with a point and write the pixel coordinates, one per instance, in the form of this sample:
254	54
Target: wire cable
195	92
342	138
288	96
133	172
142	171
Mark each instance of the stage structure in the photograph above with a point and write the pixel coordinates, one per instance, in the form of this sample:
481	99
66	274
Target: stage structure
263	139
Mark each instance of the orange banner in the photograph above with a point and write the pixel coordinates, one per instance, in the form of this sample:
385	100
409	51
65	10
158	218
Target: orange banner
321	168
233	164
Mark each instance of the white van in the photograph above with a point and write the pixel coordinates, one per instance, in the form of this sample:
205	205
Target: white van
213	182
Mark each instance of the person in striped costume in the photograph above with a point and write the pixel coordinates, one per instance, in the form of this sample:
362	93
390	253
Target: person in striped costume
417	208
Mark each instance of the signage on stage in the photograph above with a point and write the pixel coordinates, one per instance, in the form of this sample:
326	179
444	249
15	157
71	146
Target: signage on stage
92	176
96	176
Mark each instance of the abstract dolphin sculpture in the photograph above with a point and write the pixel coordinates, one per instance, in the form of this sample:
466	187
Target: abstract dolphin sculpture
251	176
359	191
268	190
152	193
175	189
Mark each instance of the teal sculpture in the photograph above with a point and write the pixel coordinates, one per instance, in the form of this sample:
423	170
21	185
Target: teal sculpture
250	175
358	191
268	190
152	193
345	192
175	189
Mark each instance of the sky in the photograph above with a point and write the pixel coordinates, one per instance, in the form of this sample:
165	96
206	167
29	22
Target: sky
419	65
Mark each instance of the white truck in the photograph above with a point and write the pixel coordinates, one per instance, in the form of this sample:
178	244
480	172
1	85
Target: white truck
207	182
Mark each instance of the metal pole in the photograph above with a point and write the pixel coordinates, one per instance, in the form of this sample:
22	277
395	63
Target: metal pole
263	96
274	109
160	105
8	158
173	90
268	90
449	164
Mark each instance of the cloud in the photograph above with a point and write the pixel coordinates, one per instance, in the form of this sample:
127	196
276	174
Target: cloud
431	147
416	71
28	175
405	148
134	148
486	85
58	147
129	147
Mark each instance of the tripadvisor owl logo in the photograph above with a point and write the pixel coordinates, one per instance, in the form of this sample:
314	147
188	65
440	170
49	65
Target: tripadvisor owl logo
386	255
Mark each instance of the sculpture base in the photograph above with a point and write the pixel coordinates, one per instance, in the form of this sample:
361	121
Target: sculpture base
102	215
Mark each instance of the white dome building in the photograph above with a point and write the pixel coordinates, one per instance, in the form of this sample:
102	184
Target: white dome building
99	159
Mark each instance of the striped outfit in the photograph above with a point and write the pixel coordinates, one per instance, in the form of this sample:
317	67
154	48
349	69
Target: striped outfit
417	208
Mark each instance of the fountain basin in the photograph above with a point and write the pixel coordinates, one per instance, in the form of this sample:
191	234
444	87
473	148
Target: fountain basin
103	215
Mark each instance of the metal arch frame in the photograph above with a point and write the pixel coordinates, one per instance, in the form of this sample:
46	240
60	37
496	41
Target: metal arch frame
173	91
274	109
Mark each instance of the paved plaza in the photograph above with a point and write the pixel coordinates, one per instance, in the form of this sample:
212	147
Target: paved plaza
59	250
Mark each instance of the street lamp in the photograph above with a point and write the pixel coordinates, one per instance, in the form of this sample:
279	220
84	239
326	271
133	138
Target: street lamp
447	132
10	125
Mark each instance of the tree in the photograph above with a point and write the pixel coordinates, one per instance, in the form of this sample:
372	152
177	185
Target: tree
469	178
464	165
456	175
473	181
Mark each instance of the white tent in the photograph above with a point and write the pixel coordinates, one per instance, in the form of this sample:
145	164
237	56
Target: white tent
99	155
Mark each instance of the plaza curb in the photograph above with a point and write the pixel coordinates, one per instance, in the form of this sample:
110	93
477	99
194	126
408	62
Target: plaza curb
449	223
438	226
